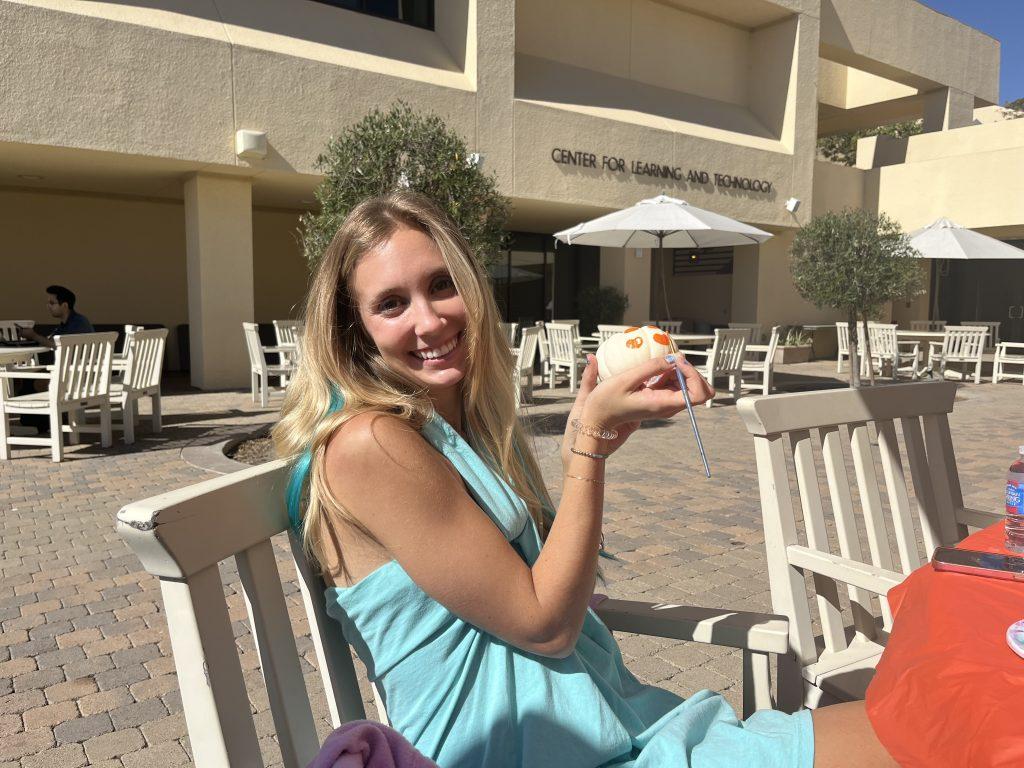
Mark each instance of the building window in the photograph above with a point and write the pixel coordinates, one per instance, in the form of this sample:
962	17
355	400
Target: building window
418	13
702	261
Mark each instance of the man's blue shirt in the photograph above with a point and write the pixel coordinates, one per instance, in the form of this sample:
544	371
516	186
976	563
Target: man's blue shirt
75	323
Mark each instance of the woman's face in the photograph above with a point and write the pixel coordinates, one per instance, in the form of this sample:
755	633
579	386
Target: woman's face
408	305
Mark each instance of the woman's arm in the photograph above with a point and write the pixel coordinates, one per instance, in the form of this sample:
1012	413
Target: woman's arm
393	482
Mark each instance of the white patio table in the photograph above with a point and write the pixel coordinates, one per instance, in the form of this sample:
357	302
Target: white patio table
15	355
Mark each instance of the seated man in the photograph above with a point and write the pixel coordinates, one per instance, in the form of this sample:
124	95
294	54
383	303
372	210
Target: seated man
60	303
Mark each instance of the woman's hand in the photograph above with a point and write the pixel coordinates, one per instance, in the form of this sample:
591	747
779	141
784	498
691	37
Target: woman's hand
621	402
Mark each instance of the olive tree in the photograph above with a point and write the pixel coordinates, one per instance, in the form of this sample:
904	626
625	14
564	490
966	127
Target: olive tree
400	148
855	262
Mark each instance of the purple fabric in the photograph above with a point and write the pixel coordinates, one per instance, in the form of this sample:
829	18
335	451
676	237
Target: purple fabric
366	744
596	599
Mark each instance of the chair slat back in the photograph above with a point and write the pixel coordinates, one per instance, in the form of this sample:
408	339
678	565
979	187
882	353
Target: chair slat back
928	325
542	342
81	370
509	329
773	343
728	350
883	340
181	537
993	331
669	326
605	331
288	331
527	350
843	336
257	360
753	331
9	328
964	342
145	359
864	518
561	343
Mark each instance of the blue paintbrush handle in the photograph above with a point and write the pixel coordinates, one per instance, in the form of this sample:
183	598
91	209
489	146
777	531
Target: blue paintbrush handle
693	421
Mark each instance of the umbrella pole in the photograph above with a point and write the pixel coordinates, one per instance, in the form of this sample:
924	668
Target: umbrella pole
661	274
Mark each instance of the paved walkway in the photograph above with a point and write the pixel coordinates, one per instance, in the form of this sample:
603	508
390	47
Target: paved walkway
86	675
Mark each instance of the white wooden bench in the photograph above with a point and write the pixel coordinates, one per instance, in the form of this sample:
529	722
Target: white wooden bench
181	536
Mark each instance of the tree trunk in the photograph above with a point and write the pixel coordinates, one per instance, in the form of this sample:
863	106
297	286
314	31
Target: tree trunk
851	325
867	350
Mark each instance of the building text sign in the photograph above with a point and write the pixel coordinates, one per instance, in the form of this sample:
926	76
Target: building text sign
657	170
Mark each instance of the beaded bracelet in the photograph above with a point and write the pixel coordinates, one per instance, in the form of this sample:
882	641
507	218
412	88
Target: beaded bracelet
589	431
588	454
586	479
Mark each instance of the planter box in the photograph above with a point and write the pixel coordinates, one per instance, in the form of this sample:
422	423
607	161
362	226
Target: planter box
786	355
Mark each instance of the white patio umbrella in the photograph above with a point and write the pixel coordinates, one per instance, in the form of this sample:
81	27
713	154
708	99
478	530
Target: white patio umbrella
945	239
659	222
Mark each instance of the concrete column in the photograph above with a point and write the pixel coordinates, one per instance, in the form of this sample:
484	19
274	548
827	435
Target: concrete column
947	108
629	270
218	227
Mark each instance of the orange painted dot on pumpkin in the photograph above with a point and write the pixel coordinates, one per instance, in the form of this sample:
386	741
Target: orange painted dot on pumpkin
630	330
661	338
635	343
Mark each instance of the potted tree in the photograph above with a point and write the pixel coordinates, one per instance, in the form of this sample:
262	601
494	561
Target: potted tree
402	149
794	345
854	261
599	305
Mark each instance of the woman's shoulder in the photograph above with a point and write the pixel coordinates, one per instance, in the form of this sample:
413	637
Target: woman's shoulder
376	442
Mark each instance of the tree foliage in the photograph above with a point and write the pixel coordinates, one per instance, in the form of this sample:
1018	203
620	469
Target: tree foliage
400	148
842	147
855	262
600	304
1013	109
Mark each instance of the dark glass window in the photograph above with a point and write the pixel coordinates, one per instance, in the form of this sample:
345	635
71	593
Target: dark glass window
419	13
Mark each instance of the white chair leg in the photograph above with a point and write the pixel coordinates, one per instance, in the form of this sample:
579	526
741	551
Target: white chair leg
977	372
5	449
106	433
128	421
56	437
156	418
254	383
264	391
75	419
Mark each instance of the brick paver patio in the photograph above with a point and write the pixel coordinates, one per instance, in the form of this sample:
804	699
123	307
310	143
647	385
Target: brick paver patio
86	675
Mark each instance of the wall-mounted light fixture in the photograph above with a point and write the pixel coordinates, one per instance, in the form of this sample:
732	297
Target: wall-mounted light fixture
792	204
251	145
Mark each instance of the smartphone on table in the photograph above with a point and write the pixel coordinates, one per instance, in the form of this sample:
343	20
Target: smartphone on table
970	561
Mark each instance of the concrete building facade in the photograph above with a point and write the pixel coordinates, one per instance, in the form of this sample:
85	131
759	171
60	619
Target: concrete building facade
119	175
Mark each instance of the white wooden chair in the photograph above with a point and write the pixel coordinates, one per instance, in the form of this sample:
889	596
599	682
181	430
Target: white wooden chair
669	326
183	535
993	332
563	352
762	371
961	344
509	329
1008	353
79	379
141	378
119	362
605	331
542	352
889	354
288	333
818	428
9	328
928	325
753	330
523	366
724	358
843	337
260	370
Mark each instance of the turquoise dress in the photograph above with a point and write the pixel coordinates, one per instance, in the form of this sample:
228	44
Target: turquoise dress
466	699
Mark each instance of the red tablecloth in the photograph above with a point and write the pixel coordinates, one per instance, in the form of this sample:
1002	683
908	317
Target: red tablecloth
948	690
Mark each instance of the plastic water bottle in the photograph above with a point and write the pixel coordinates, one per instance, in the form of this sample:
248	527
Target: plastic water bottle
1015	504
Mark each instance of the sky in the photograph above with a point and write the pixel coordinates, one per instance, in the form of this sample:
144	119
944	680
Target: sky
1003	20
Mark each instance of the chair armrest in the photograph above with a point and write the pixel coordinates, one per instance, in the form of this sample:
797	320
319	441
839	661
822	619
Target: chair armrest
756	347
978	518
21	374
688	352
286	348
766	633
1008	344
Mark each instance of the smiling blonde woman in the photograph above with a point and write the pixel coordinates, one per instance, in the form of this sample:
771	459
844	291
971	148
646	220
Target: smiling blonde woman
462	591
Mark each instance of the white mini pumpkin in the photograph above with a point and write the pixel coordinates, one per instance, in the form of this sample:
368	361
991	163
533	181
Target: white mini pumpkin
631	348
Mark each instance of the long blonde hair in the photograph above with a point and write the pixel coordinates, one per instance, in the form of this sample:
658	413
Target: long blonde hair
342	374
